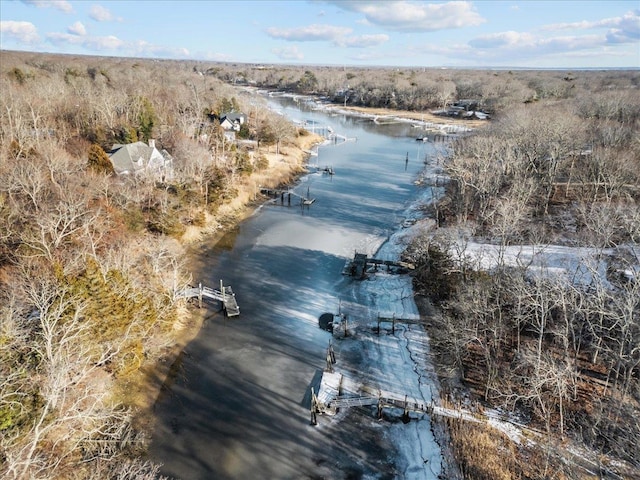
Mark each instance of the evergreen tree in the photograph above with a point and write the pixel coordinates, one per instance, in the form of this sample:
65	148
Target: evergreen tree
98	160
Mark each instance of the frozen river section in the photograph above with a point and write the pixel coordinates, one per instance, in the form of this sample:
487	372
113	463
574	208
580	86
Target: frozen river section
238	405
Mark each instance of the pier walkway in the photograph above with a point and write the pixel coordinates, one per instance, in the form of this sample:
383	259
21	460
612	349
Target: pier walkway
225	295
275	193
359	265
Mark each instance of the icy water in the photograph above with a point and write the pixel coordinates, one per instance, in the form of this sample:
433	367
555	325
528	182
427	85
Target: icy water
238	406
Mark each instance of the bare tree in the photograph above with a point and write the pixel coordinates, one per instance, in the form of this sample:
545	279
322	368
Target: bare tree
73	408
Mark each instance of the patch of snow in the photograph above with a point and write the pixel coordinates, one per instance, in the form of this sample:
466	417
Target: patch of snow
577	265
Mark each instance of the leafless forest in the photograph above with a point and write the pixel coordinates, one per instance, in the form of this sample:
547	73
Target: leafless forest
90	261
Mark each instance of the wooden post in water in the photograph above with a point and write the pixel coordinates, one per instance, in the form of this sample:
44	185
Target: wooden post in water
199	295
224	300
405	414
329	367
393	324
314	403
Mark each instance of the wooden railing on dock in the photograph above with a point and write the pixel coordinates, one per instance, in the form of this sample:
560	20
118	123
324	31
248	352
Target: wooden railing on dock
225	295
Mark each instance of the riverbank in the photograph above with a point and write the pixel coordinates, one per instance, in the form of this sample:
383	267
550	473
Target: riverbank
283	169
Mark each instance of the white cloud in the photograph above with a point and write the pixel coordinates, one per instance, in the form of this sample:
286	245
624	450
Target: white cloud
310	33
62	5
368	57
215	56
408	16
627	29
624	29
362	41
337	35
601	41
629	21
111	43
143	48
25	32
508	39
92	43
77	29
288	53
101	14
515	47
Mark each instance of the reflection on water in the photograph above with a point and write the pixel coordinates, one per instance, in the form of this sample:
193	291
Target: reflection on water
228	240
236	411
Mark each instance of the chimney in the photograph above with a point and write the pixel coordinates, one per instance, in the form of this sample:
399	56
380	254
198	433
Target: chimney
152	143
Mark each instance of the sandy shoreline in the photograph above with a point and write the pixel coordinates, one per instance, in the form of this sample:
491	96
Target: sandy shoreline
421	117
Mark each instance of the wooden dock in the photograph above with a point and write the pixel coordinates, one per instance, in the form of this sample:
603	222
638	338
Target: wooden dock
231	307
285	195
225	295
328	400
361	263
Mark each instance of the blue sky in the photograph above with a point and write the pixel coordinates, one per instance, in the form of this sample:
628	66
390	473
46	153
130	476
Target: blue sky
533	34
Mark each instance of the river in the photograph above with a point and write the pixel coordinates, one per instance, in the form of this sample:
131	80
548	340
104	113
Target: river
238	406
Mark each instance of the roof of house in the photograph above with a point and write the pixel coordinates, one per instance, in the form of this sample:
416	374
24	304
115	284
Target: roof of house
133	157
234	117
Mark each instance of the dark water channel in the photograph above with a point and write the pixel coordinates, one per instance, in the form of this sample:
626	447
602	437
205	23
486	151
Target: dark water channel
239	406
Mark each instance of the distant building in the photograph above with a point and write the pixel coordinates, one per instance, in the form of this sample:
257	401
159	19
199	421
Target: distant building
140	158
231	121
466	108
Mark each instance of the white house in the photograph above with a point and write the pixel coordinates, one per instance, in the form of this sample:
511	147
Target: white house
141	158
232	121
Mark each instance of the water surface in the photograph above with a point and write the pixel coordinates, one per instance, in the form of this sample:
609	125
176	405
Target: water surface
240	407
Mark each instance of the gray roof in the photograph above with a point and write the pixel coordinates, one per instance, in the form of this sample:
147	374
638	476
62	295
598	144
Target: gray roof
130	158
234	117
138	157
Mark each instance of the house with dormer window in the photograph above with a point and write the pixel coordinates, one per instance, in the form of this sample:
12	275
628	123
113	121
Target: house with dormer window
141	158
